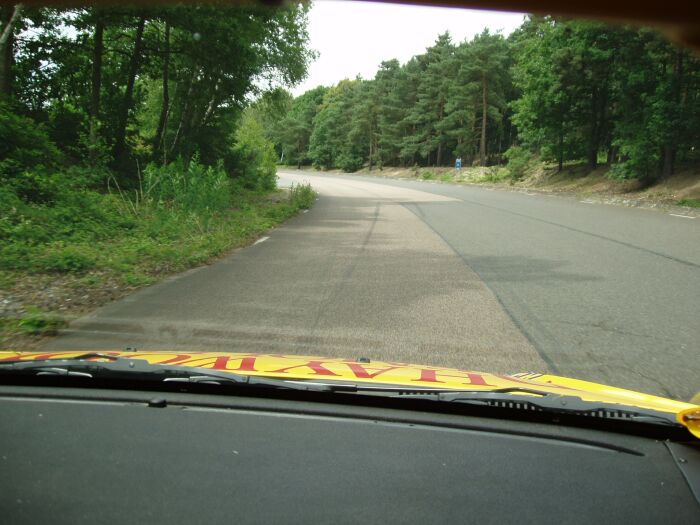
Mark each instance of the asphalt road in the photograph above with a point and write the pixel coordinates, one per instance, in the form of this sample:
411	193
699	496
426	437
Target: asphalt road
459	276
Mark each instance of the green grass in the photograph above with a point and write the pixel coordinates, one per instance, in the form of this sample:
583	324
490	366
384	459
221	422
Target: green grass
7	279
187	217
302	196
496	174
691	203
136	236
34	322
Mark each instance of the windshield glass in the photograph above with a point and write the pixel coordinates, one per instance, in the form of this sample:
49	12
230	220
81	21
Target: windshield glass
491	192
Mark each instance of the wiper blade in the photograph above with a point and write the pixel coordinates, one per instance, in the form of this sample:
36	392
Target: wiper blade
515	398
84	366
546	402
526	399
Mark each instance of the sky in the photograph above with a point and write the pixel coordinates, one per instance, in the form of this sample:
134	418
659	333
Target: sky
352	38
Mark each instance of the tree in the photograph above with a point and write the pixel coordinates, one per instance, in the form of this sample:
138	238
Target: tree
298	125
9	20
428	112
389	92
545	112
329	144
486	60
255	154
153	83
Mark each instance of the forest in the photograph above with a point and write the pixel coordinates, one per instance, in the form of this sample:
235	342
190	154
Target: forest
125	153
141	141
554	90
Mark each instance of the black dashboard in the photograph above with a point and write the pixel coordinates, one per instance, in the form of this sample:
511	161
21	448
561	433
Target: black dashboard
113	456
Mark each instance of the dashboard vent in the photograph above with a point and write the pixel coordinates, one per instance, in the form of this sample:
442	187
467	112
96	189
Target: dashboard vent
514	405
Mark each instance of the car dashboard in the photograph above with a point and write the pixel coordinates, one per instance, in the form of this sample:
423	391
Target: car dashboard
75	455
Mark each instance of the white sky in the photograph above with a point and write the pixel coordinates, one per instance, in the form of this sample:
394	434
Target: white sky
354	37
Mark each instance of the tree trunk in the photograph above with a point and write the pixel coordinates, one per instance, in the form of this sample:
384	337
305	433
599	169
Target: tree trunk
212	103
441	114
185	113
592	153
669	155
165	108
669	149
371	153
561	147
592	158
484	111
134	62
97	52
7	43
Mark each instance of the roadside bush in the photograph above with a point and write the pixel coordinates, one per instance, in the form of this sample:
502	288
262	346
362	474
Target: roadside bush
302	196
38	322
642	159
255	157
194	188
349	163
66	125
690	203
180	216
518	161
496	174
23	144
67	258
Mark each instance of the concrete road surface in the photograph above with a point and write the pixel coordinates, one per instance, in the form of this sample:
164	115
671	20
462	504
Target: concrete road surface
441	274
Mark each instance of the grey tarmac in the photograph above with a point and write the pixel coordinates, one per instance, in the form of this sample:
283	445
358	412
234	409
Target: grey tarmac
439	274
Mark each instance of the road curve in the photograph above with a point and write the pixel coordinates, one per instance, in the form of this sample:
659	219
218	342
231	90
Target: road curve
448	275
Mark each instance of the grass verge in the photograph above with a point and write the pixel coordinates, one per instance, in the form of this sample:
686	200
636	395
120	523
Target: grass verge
76	249
691	203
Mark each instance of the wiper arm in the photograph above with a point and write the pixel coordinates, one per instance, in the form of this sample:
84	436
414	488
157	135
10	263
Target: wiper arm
83	366
514	398
546	402
518	398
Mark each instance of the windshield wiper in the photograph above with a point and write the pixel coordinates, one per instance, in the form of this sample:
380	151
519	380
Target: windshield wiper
85	367
514	398
525	399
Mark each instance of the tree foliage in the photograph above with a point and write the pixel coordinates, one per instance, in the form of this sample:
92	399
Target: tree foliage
122	87
556	89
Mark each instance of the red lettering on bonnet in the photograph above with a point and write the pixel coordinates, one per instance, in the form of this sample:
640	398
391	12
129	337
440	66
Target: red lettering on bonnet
362	373
430	376
316	367
247	364
30	357
41	356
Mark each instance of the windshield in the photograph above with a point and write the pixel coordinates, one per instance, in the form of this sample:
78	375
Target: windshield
493	192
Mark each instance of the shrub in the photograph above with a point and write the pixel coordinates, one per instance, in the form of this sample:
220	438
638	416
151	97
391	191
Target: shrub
66	125
67	258
23	144
192	188
349	163
496	174
642	159
691	203
256	160
302	196
518	161
37	322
